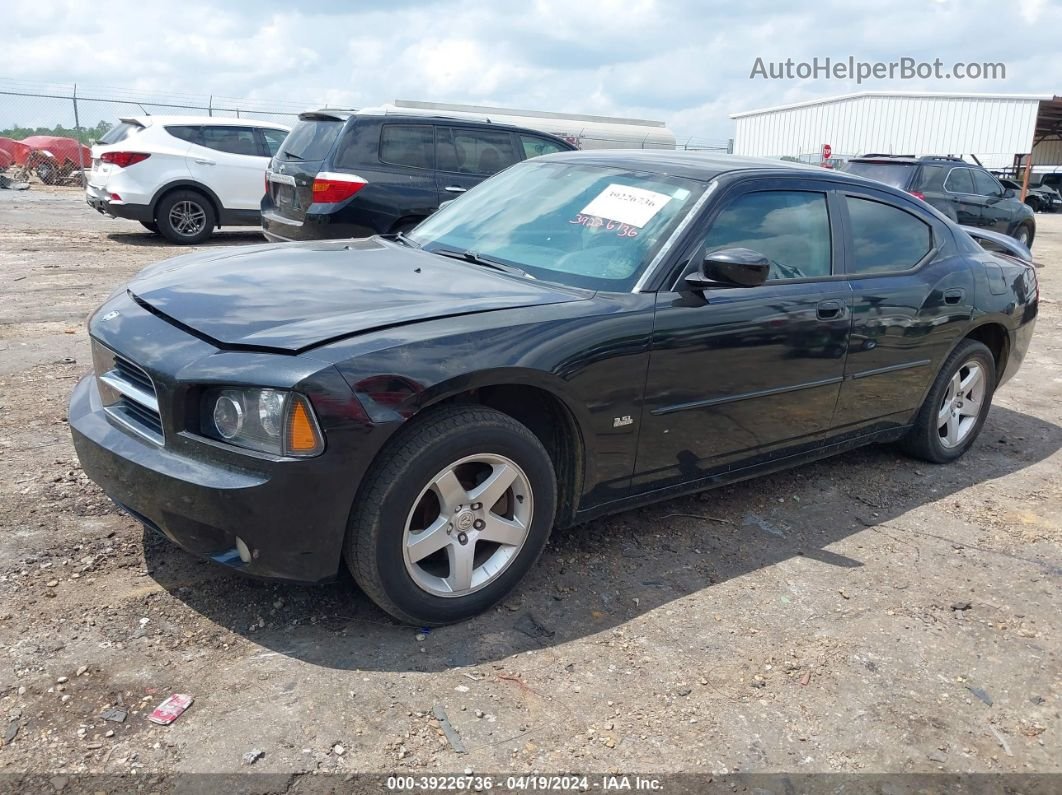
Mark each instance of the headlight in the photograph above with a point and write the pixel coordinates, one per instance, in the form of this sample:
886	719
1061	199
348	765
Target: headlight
272	421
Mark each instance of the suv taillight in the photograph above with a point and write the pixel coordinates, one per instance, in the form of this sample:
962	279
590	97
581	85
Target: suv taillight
329	188
124	159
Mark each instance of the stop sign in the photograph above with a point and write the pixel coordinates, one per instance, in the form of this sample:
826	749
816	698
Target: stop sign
827	152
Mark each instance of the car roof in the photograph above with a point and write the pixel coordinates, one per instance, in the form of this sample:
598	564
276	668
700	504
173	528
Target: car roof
694	165
423	118
912	159
222	121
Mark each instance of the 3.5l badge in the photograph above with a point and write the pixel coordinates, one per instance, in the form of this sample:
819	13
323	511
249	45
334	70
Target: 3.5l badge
622	422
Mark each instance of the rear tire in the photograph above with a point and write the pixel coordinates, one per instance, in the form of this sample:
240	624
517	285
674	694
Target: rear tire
1024	235
955	409
151	226
420	544
185	217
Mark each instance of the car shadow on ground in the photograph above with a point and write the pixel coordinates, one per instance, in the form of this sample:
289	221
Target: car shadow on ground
226	237
599	575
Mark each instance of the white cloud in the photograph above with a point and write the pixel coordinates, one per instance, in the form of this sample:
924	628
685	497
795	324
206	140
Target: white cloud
682	61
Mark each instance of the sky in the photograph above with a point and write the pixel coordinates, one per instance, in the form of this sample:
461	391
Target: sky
683	62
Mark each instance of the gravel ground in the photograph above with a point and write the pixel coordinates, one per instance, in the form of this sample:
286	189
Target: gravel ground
863	614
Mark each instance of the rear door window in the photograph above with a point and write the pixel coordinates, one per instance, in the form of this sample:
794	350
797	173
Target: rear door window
464	150
409	145
233	140
885	238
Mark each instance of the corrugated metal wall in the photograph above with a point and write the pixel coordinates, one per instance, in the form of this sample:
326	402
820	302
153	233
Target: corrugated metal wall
1048	153
994	129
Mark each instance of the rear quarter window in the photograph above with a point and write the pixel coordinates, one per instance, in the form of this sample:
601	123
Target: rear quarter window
885	238
410	145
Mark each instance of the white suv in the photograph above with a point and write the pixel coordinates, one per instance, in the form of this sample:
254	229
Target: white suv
183	176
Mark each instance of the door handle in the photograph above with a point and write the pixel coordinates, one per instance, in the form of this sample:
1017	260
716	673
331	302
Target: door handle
829	310
455	189
204	162
954	295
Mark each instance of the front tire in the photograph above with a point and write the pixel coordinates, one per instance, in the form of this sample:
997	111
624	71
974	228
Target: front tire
955	409
452	516
1024	235
185	217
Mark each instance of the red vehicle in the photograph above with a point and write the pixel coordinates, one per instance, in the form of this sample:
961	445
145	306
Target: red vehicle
12	153
52	158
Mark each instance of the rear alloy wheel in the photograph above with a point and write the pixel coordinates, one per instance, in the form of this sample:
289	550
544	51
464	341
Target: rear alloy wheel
452	515
956	407
185	217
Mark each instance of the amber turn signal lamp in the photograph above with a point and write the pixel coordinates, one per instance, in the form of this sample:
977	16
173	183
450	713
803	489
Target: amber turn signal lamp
303	437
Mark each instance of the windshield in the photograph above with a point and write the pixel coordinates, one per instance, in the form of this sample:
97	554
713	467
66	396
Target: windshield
585	226
895	174
310	139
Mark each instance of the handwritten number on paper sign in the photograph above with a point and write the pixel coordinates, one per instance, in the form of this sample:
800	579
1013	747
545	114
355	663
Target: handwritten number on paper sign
594	222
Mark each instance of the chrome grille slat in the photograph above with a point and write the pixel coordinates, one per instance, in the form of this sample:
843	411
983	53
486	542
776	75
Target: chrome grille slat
128	393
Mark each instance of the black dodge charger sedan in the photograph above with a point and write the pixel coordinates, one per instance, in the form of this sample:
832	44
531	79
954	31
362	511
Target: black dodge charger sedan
582	333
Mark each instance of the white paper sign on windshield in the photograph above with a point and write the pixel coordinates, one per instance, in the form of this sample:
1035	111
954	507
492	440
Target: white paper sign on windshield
627	205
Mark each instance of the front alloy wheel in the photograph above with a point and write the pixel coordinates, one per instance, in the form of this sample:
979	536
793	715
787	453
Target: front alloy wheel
468	525
452	514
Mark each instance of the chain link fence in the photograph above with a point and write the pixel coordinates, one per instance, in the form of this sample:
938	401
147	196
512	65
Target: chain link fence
46	129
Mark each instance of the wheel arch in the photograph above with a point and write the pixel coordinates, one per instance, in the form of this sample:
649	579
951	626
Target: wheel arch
534	398
543	407
187	184
995	336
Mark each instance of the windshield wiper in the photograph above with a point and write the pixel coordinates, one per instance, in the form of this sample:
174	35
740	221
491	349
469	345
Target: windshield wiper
406	240
478	259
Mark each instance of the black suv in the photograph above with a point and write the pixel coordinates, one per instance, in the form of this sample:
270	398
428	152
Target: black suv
344	174
964	192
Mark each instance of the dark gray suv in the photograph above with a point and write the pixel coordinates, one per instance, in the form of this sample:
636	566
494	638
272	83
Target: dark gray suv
964	192
342	174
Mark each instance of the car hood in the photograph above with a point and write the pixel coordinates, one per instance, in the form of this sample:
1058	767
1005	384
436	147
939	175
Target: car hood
293	296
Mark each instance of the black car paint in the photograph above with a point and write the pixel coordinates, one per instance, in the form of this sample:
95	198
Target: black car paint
718	386
394	196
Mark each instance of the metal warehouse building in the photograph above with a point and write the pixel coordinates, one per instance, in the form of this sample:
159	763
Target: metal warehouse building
992	127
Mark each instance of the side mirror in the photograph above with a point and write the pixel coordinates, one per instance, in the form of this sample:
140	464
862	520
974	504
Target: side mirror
1010	193
736	267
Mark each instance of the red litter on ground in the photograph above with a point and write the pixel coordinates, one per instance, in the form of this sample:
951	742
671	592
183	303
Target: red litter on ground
170	709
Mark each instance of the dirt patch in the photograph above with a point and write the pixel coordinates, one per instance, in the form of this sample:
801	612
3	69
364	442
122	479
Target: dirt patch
862	614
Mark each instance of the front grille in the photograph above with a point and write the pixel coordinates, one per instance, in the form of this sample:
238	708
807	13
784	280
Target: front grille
128	393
